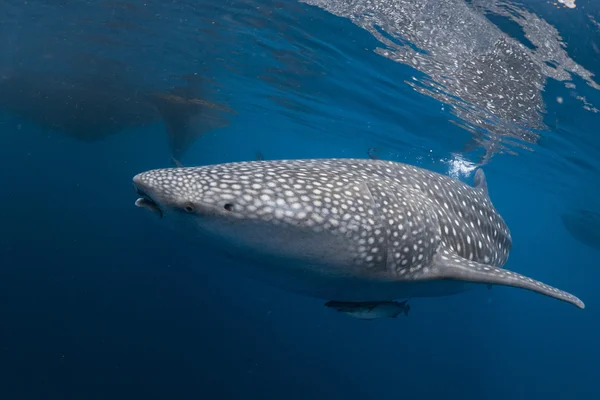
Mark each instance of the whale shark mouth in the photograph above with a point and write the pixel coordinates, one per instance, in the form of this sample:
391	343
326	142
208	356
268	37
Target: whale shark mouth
146	202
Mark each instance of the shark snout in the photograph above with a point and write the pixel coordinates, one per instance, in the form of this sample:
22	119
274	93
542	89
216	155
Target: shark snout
142	186
139	181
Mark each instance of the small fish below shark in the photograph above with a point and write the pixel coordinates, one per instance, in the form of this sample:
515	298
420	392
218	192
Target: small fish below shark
358	233
371	310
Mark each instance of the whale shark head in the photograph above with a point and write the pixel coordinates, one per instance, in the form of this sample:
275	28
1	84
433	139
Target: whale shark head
262	208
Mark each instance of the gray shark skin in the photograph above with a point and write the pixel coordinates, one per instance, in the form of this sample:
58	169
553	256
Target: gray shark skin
349	230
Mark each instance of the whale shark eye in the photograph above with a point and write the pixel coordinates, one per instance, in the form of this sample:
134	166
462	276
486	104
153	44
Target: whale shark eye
188	207
228	206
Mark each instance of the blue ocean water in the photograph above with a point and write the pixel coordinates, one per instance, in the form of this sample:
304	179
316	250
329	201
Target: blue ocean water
100	302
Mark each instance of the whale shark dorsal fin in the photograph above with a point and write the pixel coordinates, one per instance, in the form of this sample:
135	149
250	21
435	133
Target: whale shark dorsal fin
480	181
449	265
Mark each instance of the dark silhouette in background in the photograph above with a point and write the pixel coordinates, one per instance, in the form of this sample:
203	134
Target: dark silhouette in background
583	225
93	106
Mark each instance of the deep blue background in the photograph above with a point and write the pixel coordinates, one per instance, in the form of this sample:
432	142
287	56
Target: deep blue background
97	301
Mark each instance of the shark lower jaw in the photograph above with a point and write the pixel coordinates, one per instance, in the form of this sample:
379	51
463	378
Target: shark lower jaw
146	202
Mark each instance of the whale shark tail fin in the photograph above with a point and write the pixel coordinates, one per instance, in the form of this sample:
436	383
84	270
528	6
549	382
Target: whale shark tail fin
448	265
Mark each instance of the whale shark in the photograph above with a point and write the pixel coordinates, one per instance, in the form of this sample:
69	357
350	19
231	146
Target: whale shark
343	230
92	107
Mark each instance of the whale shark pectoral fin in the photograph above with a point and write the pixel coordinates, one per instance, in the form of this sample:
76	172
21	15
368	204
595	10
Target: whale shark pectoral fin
480	181
448	265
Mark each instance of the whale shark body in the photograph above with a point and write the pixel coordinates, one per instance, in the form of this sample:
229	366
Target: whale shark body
343	230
